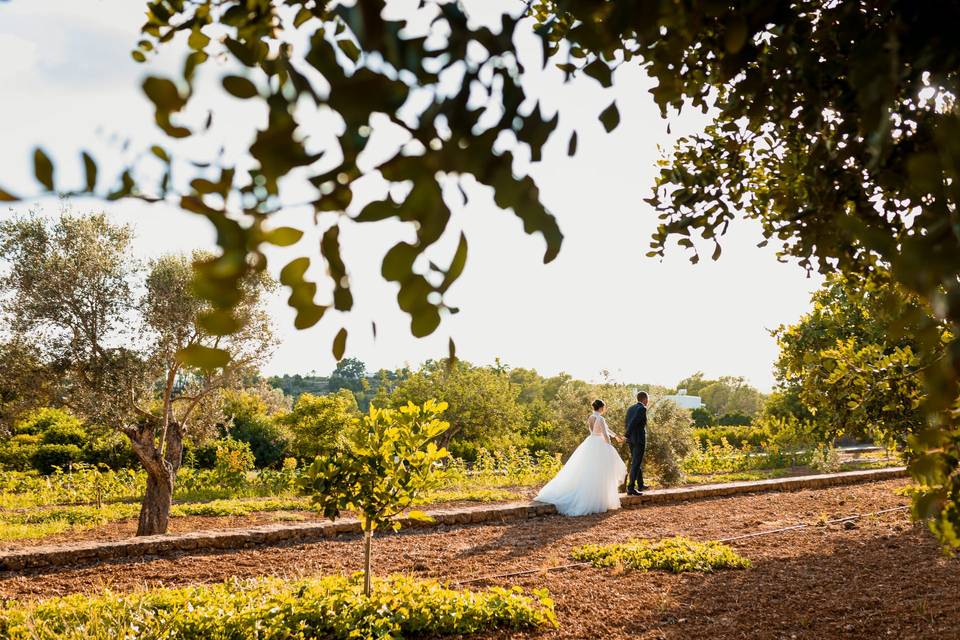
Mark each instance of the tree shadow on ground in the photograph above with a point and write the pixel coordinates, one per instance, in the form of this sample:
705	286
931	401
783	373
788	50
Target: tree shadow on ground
520	538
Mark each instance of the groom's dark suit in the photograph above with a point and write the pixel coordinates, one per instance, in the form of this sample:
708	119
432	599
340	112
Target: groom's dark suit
636	435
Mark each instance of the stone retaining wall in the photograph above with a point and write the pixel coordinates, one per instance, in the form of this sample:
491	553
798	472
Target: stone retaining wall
296	533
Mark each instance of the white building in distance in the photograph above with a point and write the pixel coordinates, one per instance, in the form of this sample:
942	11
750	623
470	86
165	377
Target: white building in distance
687	402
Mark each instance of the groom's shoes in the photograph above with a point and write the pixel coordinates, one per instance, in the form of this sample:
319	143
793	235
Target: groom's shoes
632	492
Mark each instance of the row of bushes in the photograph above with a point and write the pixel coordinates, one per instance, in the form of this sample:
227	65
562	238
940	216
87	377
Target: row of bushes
49	438
785	433
750	437
270	608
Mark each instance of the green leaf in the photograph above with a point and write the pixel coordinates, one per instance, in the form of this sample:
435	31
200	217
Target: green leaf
160	153
283	236
378	210
43	168
599	71
163	93
456	266
610	117
292	273
340	344
302	16
198	40
90	170
572	145
330	248
425	321
349	49
202	357
240	87
241	52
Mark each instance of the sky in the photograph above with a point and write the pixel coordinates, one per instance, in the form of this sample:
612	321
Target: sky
69	83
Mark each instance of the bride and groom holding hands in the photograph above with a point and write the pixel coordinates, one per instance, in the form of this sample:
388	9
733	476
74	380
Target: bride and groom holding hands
590	480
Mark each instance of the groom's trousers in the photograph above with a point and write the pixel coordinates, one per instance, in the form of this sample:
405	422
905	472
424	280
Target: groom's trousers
637	449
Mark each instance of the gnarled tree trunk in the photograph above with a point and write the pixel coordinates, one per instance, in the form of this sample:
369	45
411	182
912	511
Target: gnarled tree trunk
161	473
155	510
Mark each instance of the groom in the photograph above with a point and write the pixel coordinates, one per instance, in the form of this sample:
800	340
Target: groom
636	434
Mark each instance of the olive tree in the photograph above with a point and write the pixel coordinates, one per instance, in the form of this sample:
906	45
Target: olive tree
172	313
72	290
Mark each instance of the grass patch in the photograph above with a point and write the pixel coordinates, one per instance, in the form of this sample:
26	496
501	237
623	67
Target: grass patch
467	495
224	508
40	523
676	555
739	476
270	608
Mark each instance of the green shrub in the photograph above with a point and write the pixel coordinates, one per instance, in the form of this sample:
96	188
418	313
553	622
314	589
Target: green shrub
48	456
268	441
42	420
16	454
702	417
391	461
672	554
111	450
234	461
320	423
740	437
274	609
65	433
734	420
202	455
669	440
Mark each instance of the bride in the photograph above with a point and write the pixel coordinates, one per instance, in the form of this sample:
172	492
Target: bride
590	481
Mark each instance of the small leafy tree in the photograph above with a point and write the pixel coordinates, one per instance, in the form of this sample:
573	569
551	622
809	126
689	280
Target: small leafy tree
392	459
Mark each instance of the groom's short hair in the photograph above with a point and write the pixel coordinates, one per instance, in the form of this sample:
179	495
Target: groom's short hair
641	396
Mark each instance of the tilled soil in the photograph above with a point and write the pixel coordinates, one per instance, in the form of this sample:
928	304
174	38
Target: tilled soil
880	578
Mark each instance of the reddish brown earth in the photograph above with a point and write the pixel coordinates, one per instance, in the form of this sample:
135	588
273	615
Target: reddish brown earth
884	578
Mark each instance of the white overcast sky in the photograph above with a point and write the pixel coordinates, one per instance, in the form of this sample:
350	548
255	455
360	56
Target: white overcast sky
68	82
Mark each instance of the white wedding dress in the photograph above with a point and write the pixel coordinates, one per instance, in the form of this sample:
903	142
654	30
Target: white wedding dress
590	481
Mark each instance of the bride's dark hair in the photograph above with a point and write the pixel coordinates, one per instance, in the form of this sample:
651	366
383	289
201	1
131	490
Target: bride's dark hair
598	404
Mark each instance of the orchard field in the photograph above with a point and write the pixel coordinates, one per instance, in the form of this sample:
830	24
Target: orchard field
178	180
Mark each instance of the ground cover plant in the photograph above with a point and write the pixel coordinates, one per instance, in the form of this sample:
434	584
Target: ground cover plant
676	555
270	608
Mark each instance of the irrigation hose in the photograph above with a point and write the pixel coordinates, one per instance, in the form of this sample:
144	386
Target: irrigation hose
755	534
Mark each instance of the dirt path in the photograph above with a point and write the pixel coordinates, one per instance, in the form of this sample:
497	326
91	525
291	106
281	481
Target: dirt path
884	578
